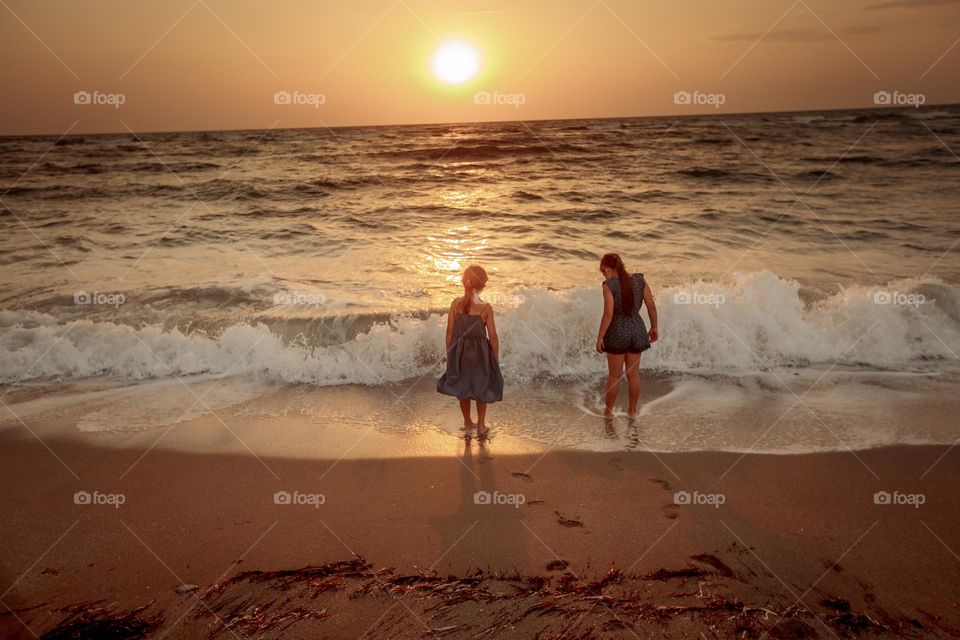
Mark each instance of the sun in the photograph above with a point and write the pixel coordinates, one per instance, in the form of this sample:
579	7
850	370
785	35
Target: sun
455	62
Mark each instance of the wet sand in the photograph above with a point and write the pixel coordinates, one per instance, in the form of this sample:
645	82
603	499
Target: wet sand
575	543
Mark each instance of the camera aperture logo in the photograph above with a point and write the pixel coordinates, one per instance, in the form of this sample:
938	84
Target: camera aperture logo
699	297
297	498
96	98
899	298
298	98
511	300
696	498
495	498
99	298
298	299
96	498
696	98
897	99
497	98
899	499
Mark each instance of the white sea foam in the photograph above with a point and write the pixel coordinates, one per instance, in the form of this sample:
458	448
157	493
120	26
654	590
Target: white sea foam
754	322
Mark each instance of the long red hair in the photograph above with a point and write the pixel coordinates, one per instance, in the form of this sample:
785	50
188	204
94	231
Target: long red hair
613	261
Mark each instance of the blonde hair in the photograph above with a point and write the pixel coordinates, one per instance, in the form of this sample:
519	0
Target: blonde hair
474	280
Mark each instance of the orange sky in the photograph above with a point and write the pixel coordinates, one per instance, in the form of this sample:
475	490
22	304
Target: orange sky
216	64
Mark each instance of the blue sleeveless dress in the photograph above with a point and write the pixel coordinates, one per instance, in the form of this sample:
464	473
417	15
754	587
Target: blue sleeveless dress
627	333
472	371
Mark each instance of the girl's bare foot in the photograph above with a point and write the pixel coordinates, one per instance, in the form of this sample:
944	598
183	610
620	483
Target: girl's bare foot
608	430
608	414
468	424
481	430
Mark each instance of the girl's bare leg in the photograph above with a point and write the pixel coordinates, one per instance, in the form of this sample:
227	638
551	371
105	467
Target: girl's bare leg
481	417
465	410
614	372
633	382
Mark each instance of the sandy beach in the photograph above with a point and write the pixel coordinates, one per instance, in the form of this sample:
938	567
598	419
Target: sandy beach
569	543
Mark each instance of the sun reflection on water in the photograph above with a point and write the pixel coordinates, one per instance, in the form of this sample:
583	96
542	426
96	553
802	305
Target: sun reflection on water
444	258
465	199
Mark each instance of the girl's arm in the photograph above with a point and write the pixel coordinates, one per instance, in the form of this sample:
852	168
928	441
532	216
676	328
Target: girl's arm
651	311
607	316
451	317
492	331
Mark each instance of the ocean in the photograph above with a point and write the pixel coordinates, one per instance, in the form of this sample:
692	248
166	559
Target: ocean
802	265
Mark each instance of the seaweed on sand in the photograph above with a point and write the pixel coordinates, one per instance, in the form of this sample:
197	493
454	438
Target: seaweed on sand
487	605
100	620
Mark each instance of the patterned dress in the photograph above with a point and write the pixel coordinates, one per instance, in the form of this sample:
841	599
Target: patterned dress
627	333
472	371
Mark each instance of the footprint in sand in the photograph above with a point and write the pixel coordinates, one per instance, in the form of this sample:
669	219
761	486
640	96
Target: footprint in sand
564	521
521	474
616	463
832	566
713	564
837	604
557	565
663	484
671	511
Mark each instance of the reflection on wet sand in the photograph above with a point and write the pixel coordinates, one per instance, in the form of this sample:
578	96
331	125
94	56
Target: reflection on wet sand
632	435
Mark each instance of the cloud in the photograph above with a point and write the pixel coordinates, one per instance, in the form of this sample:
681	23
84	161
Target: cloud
910	4
800	36
785	35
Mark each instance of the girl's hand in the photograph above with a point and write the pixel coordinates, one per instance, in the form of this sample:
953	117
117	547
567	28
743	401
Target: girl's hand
653	334
600	345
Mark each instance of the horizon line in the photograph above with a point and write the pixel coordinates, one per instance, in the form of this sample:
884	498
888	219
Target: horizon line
481	122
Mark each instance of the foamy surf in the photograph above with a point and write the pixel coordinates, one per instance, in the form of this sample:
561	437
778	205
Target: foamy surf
750	323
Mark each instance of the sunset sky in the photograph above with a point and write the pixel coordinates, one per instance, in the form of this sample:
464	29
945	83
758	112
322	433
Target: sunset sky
217	64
